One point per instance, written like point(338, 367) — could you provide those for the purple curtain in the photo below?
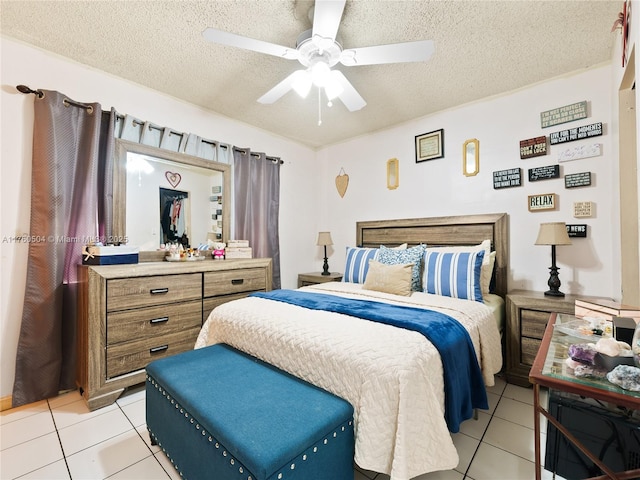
point(70, 179)
point(256, 196)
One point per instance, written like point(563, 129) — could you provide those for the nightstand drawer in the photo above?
point(131, 356)
point(152, 321)
point(533, 323)
point(234, 281)
point(529, 350)
point(127, 293)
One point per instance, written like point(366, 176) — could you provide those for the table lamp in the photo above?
point(324, 239)
point(553, 234)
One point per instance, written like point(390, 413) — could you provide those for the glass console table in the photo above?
point(549, 370)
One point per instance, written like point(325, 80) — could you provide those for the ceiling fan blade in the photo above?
point(281, 88)
point(419, 51)
point(349, 96)
point(326, 17)
point(233, 40)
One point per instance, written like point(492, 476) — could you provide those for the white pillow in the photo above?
point(487, 261)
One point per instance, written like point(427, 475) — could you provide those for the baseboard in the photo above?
point(5, 403)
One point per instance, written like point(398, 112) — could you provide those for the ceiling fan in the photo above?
point(317, 50)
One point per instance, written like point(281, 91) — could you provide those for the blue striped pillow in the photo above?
point(357, 263)
point(453, 274)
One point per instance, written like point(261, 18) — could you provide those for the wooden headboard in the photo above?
point(444, 231)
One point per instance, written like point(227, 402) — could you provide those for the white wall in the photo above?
point(438, 187)
point(21, 64)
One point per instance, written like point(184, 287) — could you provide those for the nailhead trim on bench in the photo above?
point(217, 445)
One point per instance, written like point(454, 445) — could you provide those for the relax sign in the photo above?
point(546, 201)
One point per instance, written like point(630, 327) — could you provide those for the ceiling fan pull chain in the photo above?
point(319, 107)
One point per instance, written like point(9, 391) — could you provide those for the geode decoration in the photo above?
point(625, 377)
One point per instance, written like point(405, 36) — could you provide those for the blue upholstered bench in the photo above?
point(220, 414)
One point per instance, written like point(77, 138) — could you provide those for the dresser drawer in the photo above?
point(533, 323)
point(234, 281)
point(127, 293)
point(131, 356)
point(529, 350)
point(153, 322)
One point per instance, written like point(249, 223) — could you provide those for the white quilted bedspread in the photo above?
point(391, 376)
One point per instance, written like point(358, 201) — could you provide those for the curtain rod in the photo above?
point(253, 154)
point(66, 101)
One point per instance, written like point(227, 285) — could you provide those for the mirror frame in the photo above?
point(475, 159)
point(393, 173)
point(122, 148)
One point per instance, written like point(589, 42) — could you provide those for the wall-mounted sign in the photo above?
point(578, 133)
point(533, 147)
point(583, 151)
point(546, 201)
point(579, 231)
point(507, 178)
point(568, 113)
point(544, 173)
point(582, 179)
point(582, 209)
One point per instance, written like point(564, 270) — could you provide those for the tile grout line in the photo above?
point(64, 455)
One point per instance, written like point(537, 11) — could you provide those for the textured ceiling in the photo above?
point(482, 48)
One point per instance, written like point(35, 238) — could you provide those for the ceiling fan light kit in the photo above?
point(318, 51)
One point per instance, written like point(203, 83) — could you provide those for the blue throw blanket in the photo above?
point(463, 383)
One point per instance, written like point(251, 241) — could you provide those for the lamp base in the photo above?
point(554, 293)
point(325, 267)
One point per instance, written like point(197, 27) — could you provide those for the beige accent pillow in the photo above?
point(486, 271)
point(395, 279)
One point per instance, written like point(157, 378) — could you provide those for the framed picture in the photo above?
point(430, 146)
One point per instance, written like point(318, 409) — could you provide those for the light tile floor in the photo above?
point(60, 439)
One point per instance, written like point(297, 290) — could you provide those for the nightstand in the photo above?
point(527, 315)
point(313, 278)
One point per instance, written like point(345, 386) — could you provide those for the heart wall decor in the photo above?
point(342, 182)
point(174, 179)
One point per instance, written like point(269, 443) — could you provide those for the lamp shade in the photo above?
point(554, 233)
point(324, 238)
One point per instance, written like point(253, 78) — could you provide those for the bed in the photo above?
point(394, 377)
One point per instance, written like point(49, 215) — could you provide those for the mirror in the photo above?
point(161, 196)
point(471, 157)
point(393, 179)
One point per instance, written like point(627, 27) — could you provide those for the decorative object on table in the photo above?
point(578, 133)
point(511, 177)
point(604, 308)
point(577, 231)
point(573, 180)
point(393, 173)
point(218, 250)
point(553, 233)
point(109, 255)
point(471, 157)
point(430, 146)
point(544, 173)
point(582, 209)
point(568, 113)
point(324, 239)
point(342, 182)
point(635, 345)
point(238, 249)
point(624, 329)
point(533, 147)
point(545, 201)
point(626, 377)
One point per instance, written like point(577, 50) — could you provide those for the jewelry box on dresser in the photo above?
point(130, 315)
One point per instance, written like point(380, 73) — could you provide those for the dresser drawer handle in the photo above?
point(159, 320)
point(237, 281)
point(161, 348)
point(156, 291)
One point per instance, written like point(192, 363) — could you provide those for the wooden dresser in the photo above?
point(130, 315)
